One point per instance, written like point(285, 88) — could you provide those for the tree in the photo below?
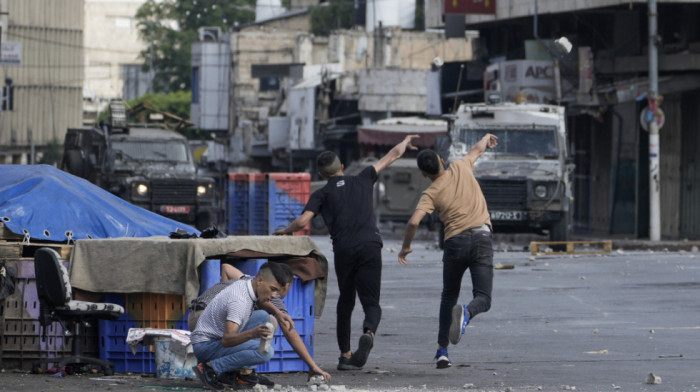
point(169, 27)
point(332, 15)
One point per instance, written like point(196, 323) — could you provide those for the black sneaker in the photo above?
point(207, 376)
point(359, 357)
point(254, 378)
point(346, 364)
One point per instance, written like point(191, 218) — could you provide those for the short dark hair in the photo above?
point(278, 271)
point(327, 163)
point(429, 162)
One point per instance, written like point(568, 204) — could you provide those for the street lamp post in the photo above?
point(654, 150)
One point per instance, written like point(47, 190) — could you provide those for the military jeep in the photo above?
point(145, 164)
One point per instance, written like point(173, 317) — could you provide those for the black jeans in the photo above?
point(468, 250)
point(359, 271)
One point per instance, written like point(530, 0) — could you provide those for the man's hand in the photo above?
point(261, 331)
point(406, 143)
point(402, 255)
point(491, 140)
point(284, 318)
point(317, 370)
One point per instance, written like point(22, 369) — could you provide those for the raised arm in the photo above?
point(488, 141)
point(395, 153)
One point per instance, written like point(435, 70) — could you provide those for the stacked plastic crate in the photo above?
point(300, 307)
point(237, 204)
point(142, 310)
point(257, 203)
point(288, 193)
point(23, 339)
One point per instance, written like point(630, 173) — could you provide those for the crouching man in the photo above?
point(229, 330)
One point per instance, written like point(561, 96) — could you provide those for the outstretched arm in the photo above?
point(395, 153)
point(411, 228)
point(488, 141)
point(299, 347)
point(299, 223)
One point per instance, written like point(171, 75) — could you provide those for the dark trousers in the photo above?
point(468, 250)
point(359, 272)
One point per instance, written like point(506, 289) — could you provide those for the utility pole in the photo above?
point(654, 150)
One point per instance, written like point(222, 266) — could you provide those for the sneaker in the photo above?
point(346, 364)
point(443, 361)
point(255, 378)
point(207, 376)
point(359, 357)
point(460, 319)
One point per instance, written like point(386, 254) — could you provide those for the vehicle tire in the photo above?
point(204, 221)
point(559, 231)
point(109, 371)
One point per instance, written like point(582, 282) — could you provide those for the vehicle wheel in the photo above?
point(109, 371)
point(559, 231)
point(203, 221)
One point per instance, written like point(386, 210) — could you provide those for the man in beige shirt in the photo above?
point(456, 195)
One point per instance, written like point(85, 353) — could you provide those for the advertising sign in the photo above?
point(533, 79)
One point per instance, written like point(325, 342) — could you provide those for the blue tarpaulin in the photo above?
point(45, 203)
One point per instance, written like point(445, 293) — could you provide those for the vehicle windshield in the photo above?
point(166, 151)
point(529, 142)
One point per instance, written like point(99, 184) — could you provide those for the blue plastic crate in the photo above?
point(237, 204)
point(287, 195)
point(257, 204)
point(143, 310)
point(300, 306)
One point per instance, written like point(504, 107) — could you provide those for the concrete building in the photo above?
point(42, 57)
point(352, 75)
point(112, 48)
point(608, 73)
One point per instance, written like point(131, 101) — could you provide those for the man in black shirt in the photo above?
point(346, 205)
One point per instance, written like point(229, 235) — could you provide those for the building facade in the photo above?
point(43, 63)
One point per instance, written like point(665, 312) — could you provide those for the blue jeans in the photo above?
point(467, 250)
point(243, 356)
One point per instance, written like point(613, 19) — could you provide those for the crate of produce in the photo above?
point(237, 204)
point(141, 310)
point(300, 306)
point(22, 339)
point(257, 204)
point(287, 195)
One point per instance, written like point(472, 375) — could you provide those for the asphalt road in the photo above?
point(583, 322)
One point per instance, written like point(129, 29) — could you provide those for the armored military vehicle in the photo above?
point(145, 164)
point(526, 179)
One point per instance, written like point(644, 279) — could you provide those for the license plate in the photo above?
point(508, 215)
point(175, 209)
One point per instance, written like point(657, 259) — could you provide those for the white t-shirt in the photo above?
point(235, 303)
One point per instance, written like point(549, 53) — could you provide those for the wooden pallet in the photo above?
point(18, 249)
point(570, 247)
point(6, 234)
